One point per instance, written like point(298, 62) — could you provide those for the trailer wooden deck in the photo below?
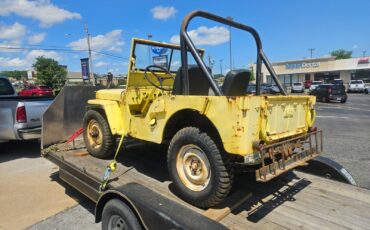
point(293, 200)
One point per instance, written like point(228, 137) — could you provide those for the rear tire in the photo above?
point(200, 175)
point(98, 138)
point(117, 215)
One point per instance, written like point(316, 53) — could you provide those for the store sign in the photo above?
point(159, 50)
point(160, 61)
point(302, 65)
point(363, 61)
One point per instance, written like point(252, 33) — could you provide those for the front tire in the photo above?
point(117, 215)
point(98, 138)
point(197, 169)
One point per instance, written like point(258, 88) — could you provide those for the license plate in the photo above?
point(338, 99)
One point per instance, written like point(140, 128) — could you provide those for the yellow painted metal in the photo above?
point(113, 113)
point(143, 111)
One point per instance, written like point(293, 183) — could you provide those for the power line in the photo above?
point(62, 50)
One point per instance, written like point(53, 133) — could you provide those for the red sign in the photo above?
point(363, 61)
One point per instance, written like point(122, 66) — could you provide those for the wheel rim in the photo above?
point(94, 134)
point(193, 167)
point(116, 222)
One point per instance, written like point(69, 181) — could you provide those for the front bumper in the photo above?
point(356, 89)
point(283, 156)
point(30, 133)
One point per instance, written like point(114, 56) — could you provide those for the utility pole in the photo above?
point(230, 53)
point(91, 77)
point(363, 53)
point(221, 66)
point(311, 51)
point(149, 56)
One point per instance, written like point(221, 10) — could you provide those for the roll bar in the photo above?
point(187, 45)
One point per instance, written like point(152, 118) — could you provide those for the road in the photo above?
point(346, 130)
point(346, 140)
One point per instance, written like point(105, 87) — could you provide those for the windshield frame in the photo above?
point(150, 43)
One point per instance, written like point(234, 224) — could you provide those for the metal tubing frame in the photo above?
point(186, 44)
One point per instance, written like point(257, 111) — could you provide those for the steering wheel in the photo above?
point(160, 79)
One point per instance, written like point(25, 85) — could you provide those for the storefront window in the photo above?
point(361, 74)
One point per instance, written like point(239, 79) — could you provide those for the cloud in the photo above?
point(355, 46)
point(206, 36)
point(28, 60)
point(111, 41)
point(42, 10)
point(163, 13)
point(36, 38)
point(12, 32)
point(101, 63)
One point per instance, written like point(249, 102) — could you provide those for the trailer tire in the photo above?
point(98, 138)
point(117, 215)
point(199, 173)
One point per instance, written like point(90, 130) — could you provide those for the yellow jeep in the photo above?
point(209, 130)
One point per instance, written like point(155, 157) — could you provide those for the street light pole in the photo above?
point(91, 77)
point(221, 66)
point(311, 51)
point(230, 51)
point(364, 53)
point(149, 56)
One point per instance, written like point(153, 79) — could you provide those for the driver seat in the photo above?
point(236, 83)
point(198, 83)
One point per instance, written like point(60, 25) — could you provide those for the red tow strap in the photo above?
point(74, 135)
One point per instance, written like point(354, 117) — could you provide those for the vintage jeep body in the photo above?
point(209, 130)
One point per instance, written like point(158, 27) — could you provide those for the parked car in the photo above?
point(330, 92)
point(20, 116)
point(356, 86)
point(314, 84)
point(36, 90)
point(307, 84)
point(367, 89)
point(337, 82)
point(298, 87)
point(270, 89)
point(265, 89)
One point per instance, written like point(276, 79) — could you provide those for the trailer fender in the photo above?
point(325, 167)
point(155, 211)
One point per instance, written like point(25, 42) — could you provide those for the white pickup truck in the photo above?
point(356, 86)
point(20, 117)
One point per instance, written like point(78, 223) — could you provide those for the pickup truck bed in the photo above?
point(10, 129)
point(293, 200)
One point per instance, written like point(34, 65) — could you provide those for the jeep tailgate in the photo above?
point(286, 116)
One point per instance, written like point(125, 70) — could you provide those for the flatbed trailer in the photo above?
point(292, 200)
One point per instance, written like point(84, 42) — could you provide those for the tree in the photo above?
point(50, 73)
point(16, 74)
point(252, 77)
point(341, 54)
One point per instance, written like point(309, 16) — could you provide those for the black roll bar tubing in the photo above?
point(186, 44)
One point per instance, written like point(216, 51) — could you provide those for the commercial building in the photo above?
point(319, 69)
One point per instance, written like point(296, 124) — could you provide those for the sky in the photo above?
point(288, 28)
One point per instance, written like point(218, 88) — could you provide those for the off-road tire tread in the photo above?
point(225, 173)
point(109, 141)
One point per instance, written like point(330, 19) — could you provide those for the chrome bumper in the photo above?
point(30, 133)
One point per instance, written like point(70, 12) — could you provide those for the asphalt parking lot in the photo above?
point(346, 130)
point(346, 140)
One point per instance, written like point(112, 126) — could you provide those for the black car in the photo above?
point(265, 89)
point(330, 92)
